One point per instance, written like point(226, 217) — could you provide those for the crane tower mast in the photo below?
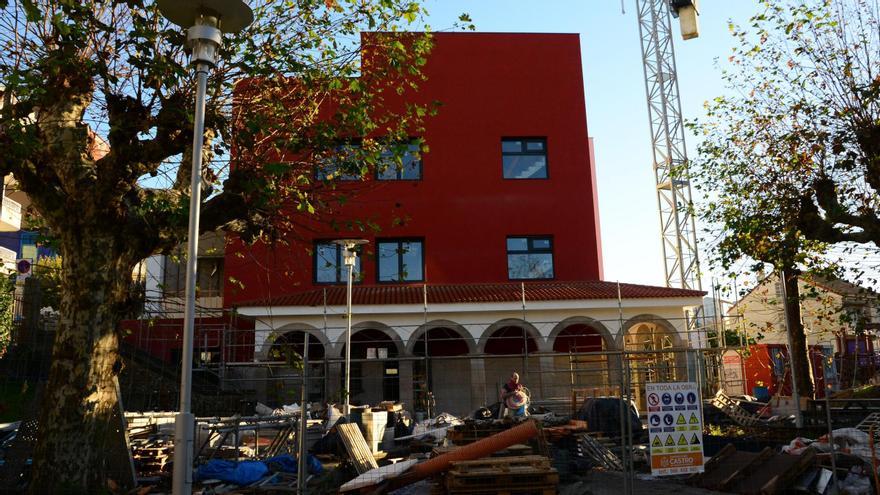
point(677, 223)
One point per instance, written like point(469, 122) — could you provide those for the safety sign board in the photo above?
point(675, 428)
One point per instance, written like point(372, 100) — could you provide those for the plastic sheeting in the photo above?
point(603, 414)
point(247, 472)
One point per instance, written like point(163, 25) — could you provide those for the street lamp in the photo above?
point(203, 20)
point(349, 258)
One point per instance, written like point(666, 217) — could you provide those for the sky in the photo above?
point(617, 116)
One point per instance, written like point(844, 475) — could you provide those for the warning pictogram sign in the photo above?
point(683, 428)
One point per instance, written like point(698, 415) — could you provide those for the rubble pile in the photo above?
point(381, 449)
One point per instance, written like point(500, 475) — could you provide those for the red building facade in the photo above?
point(508, 179)
point(487, 258)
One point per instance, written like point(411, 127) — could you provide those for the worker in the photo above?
point(514, 397)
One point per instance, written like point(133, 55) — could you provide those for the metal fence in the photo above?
point(235, 375)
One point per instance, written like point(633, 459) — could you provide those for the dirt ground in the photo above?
point(611, 483)
point(595, 483)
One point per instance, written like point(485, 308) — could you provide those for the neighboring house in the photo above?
point(13, 203)
point(166, 280)
point(497, 264)
point(16, 243)
point(840, 323)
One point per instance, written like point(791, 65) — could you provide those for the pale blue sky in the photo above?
point(616, 107)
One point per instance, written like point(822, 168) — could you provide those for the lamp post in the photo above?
point(349, 256)
point(203, 20)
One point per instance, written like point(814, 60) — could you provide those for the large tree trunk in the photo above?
point(800, 358)
point(80, 425)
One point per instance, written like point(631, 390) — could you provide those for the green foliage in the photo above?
point(97, 117)
point(732, 338)
point(7, 301)
point(287, 91)
point(48, 272)
point(790, 160)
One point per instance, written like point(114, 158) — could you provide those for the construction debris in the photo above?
point(763, 472)
point(732, 409)
point(357, 448)
point(476, 450)
point(598, 453)
point(152, 456)
point(531, 474)
point(378, 475)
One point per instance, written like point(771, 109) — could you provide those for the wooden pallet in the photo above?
point(470, 433)
point(871, 421)
point(547, 490)
point(502, 463)
point(525, 473)
point(731, 408)
point(151, 457)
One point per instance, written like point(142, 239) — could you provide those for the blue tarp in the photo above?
point(247, 472)
point(240, 473)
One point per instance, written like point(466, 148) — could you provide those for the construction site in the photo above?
point(472, 345)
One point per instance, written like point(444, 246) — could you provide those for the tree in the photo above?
point(95, 125)
point(48, 271)
point(791, 158)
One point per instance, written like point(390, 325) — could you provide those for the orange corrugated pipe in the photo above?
point(476, 450)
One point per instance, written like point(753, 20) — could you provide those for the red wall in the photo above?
point(759, 370)
point(163, 337)
point(490, 86)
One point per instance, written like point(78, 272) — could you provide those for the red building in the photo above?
point(488, 258)
point(509, 159)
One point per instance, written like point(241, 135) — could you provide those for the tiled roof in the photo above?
point(472, 293)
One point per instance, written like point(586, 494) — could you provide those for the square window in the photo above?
point(511, 146)
point(329, 264)
point(517, 244)
point(529, 258)
point(523, 158)
point(400, 260)
point(400, 164)
point(209, 276)
point(344, 158)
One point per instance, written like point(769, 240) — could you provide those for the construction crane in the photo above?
point(677, 223)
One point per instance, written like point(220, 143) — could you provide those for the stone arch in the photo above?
point(608, 339)
point(370, 325)
point(462, 332)
point(531, 332)
point(652, 359)
point(262, 353)
point(649, 319)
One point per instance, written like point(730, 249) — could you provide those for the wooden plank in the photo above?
point(502, 463)
point(775, 474)
point(357, 448)
point(526, 478)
